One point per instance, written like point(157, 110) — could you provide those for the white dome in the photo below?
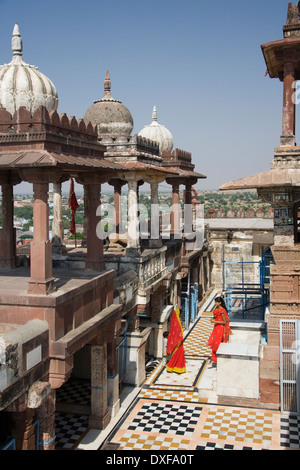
point(158, 133)
point(22, 84)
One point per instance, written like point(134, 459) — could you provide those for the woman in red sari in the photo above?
point(175, 345)
point(221, 331)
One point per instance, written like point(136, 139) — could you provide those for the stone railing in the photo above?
point(132, 143)
point(152, 268)
point(239, 213)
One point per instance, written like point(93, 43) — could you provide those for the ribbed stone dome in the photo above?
point(158, 133)
point(22, 84)
point(111, 116)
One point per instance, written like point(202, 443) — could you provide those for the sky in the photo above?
point(199, 62)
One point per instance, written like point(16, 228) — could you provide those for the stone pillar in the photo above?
point(57, 222)
point(133, 226)
point(94, 258)
point(288, 110)
point(86, 216)
point(188, 212)
point(112, 378)
point(42, 398)
point(7, 233)
point(136, 343)
point(100, 416)
point(41, 280)
point(23, 430)
point(175, 214)
point(155, 237)
point(117, 184)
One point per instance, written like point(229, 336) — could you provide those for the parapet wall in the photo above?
point(239, 213)
point(41, 120)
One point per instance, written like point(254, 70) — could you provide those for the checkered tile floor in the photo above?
point(290, 431)
point(69, 429)
point(154, 422)
point(195, 343)
point(75, 391)
point(254, 427)
point(166, 418)
point(197, 427)
point(146, 442)
point(170, 414)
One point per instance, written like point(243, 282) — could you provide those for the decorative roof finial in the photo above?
point(154, 114)
point(107, 84)
point(16, 41)
point(107, 87)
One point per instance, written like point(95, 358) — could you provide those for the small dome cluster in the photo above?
point(22, 84)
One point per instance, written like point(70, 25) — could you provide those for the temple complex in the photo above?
point(98, 310)
point(95, 312)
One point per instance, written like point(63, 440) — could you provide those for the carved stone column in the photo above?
point(155, 237)
point(288, 110)
point(86, 216)
point(57, 222)
point(175, 214)
point(94, 258)
point(41, 280)
point(113, 398)
point(133, 227)
point(23, 429)
point(117, 184)
point(100, 416)
point(94, 236)
point(7, 233)
point(42, 398)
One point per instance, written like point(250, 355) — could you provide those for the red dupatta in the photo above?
point(175, 345)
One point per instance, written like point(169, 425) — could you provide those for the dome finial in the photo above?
point(107, 87)
point(154, 114)
point(107, 84)
point(16, 41)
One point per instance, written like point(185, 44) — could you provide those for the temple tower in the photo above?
point(280, 187)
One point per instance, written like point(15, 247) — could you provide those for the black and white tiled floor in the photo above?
point(75, 391)
point(177, 419)
point(290, 431)
point(70, 426)
point(69, 429)
point(165, 418)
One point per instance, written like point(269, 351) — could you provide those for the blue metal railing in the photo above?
point(11, 445)
point(189, 305)
point(250, 298)
point(36, 426)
